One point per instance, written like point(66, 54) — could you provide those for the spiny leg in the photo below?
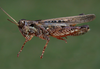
point(44, 49)
point(61, 39)
point(27, 39)
point(22, 48)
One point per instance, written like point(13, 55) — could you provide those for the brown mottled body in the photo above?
point(56, 27)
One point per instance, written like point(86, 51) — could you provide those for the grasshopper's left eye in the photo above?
point(22, 21)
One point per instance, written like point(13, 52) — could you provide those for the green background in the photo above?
point(81, 52)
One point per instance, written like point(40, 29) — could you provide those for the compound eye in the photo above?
point(23, 21)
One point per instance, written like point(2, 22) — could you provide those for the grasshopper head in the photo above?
point(21, 23)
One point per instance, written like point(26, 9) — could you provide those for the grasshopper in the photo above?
point(56, 27)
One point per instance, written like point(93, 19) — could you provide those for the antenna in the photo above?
point(15, 22)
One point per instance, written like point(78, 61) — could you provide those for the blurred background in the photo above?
point(81, 52)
